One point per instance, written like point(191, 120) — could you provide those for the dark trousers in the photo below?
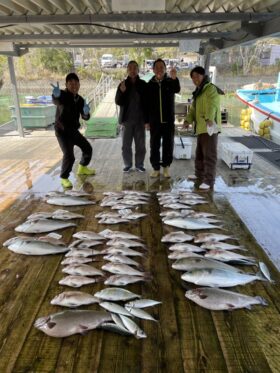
point(206, 158)
point(67, 141)
point(161, 133)
point(136, 132)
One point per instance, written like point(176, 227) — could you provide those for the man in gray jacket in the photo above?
point(131, 96)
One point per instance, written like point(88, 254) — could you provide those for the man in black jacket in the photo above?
point(70, 106)
point(161, 95)
point(131, 96)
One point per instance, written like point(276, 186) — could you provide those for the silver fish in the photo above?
point(83, 252)
point(108, 233)
point(229, 256)
point(141, 314)
point(33, 246)
point(77, 193)
point(70, 322)
point(142, 303)
point(217, 299)
point(186, 264)
point(66, 215)
point(88, 235)
point(121, 269)
point(133, 327)
point(42, 225)
point(125, 243)
point(74, 299)
point(65, 200)
point(112, 327)
point(84, 244)
point(101, 215)
point(115, 258)
point(82, 270)
point(265, 271)
point(186, 247)
point(189, 223)
point(115, 308)
point(113, 220)
point(206, 237)
point(175, 214)
point(115, 294)
point(123, 280)
point(179, 236)
point(175, 206)
point(219, 277)
point(209, 245)
point(121, 206)
point(77, 260)
point(182, 254)
point(78, 281)
point(40, 215)
point(121, 250)
point(136, 193)
point(135, 216)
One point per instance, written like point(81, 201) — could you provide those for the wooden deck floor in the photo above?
point(186, 338)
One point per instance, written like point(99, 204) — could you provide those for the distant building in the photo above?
point(270, 55)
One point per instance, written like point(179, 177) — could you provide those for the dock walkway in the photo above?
point(186, 338)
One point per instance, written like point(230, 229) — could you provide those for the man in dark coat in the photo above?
point(162, 89)
point(131, 96)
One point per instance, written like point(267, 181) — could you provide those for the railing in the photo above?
point(97, 95)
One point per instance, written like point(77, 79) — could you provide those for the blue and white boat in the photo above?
point(265, 104)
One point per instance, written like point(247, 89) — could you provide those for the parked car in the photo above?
point(108, 60)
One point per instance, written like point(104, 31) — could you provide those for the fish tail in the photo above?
point(261, 300)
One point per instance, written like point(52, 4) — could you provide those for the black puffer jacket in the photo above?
point(68, 111)
point(122, 98)
point(161, 99)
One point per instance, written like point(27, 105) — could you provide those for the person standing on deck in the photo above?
point(206, 115)
point(131, 96)
point(70, 106)
point(162, 89)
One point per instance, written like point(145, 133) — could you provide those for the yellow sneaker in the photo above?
point(155, 173)
point(166, 172)
point(66, 183)
point(84, 170)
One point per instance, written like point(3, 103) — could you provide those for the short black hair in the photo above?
point(159, 60)
point(198, 69)
point(132, 62)
point(72, 76)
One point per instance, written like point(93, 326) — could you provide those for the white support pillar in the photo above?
point(15, 95)
point(207, 63)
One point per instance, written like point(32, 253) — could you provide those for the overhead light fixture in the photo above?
point(189, 45)
point(137, 6)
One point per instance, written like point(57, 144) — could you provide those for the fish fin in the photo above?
point(230, 306)
point(83, 329)
point(51, 324)
point(249, 307)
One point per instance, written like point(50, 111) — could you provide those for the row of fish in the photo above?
point(207, 264)
point(119, 250)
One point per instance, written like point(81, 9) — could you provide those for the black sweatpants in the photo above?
point(206, 158)
point(161, 132)
point(67, 141)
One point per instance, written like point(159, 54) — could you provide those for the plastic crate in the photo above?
point(236, 155)
point(102, 127)
point(182, 147)
point(36, 116)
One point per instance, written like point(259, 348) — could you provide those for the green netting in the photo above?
point(102, 127)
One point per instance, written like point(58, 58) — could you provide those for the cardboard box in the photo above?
point(182, 147)
point(236, 155)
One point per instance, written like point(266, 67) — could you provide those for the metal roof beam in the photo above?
point(137, 17)
point(120, 37)
point(107, 45)
point(264, 29)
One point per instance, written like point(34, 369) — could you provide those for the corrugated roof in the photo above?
point(218, 24)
